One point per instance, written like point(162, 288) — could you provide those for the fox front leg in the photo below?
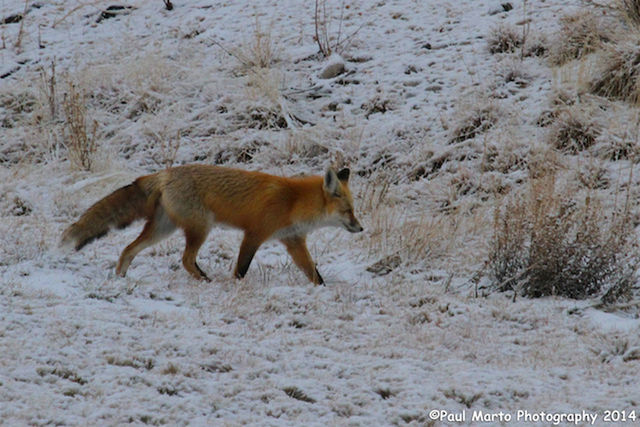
point(297, 248)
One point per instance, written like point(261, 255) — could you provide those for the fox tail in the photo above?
point(118, 209)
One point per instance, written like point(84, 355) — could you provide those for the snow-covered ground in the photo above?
point(79, 346)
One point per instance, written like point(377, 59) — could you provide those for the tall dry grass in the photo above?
point(80, 132)
point(418, 240)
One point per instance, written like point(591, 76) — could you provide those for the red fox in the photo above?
point(195, 197)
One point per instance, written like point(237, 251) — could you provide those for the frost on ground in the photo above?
point(442, 111)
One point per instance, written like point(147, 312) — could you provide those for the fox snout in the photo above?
point(353, 226)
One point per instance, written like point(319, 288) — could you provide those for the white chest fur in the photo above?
point(303, 228)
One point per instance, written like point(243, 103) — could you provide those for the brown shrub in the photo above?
point(549, 242)
point(619, 76)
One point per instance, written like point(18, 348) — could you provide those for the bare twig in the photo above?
point(168, 149)
point(49, 88)
point(326, 44)
point(18, 42)
point(316, 19)
point(525, 30)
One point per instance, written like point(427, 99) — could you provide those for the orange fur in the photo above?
point(195, 197)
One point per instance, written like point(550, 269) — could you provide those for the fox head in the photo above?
point(339, 201)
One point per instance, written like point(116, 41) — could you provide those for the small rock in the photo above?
point(20, 207)
point(113, 11)
point(385, 265)
point(410, 69)
point(334, 67)
point(632, 354)
point(11, 19)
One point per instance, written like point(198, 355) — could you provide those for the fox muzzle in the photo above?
point(354, 226)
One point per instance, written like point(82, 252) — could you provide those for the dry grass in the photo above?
point(79, 131)
point(260, 50)
point(473, 118)
point(620, 139)
point(559, 100)
point(268, 107)
point(305, 145)
point(536, 45)
point(449, 240)
point(548, 241)
point(168, 147)
point(515, 73)
point(580, 34)
point(394, 238)
point(594, 175)
point(18, 43)
point(504, 153)
point(619, 75)
point(504, 39)
point(574, 130)
point(630, 10)
point(397, 239)
point(265, 84)
point(48, 90)
point(16, 106)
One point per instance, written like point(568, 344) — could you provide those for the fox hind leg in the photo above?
point(195, 238)
point(157, 228)
point(248, 247)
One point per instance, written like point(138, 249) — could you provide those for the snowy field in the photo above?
point(409, 320)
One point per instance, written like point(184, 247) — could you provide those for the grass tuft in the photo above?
point(573, 131)
point(580, 34)
point(504, 39)
point(619, 76)
point(477, 119)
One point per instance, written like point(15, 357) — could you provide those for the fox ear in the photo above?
point(343, 175)
point(330, 184)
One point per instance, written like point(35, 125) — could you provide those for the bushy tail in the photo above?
point(118, 209)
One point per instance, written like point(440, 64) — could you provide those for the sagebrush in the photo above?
point(548, 241)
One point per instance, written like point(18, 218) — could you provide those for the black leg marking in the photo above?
point(248, 249)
